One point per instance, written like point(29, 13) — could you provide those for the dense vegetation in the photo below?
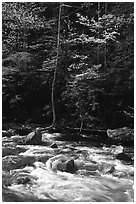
point(94, 85)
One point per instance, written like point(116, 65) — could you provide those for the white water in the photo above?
point(93, 182)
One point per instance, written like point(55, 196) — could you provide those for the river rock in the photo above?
point(61, 166)
point(23, 180)
point(121, 155)
point(34, 138)
point(54, 145)
point(71, 167)
point(124, 156)
point(65, 165)
point(106, 168)
point(121, 134)
point(118, 149)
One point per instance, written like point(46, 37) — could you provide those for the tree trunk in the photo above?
point(55, 71)
point(98, 32)
point(105, 48)
point(81, 123)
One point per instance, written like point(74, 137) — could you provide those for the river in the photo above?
point(29, 173)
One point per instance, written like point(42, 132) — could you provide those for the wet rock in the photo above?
point(111, 170)
point(80, 163)
point(71, 167)
point(118, 149)
point(121, 134)
point(106, 168)
point(61, 166)
point(23, 180)
point(123, 156)
point(120, 154)
point(54, 145)
point(34, 138)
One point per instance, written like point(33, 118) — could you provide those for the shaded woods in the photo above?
point(94, 63)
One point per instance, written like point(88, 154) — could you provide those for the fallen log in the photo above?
point(66, 129)
point(87, 131)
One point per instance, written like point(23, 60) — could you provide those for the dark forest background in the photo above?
point(94, 84)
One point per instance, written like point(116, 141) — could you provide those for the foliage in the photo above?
point(94, 83)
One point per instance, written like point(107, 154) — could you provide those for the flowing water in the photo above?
point(30, 173)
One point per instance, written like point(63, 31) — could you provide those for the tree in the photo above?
point(59, 59)
point(55, 71)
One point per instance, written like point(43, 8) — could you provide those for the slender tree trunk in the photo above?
point(81, 123)
point(98, 32)
point(55, 71)
point(105, 48)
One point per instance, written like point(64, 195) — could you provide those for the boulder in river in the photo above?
point(23, 180)
point(70, 166)
point(121, 134)
point(106, 168)
point(34, 138)
point(124, 156)
point(121, 155)
point(63, 164)
point(54, 145)
point(118, 149)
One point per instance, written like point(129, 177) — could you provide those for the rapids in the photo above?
point(30, 173)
